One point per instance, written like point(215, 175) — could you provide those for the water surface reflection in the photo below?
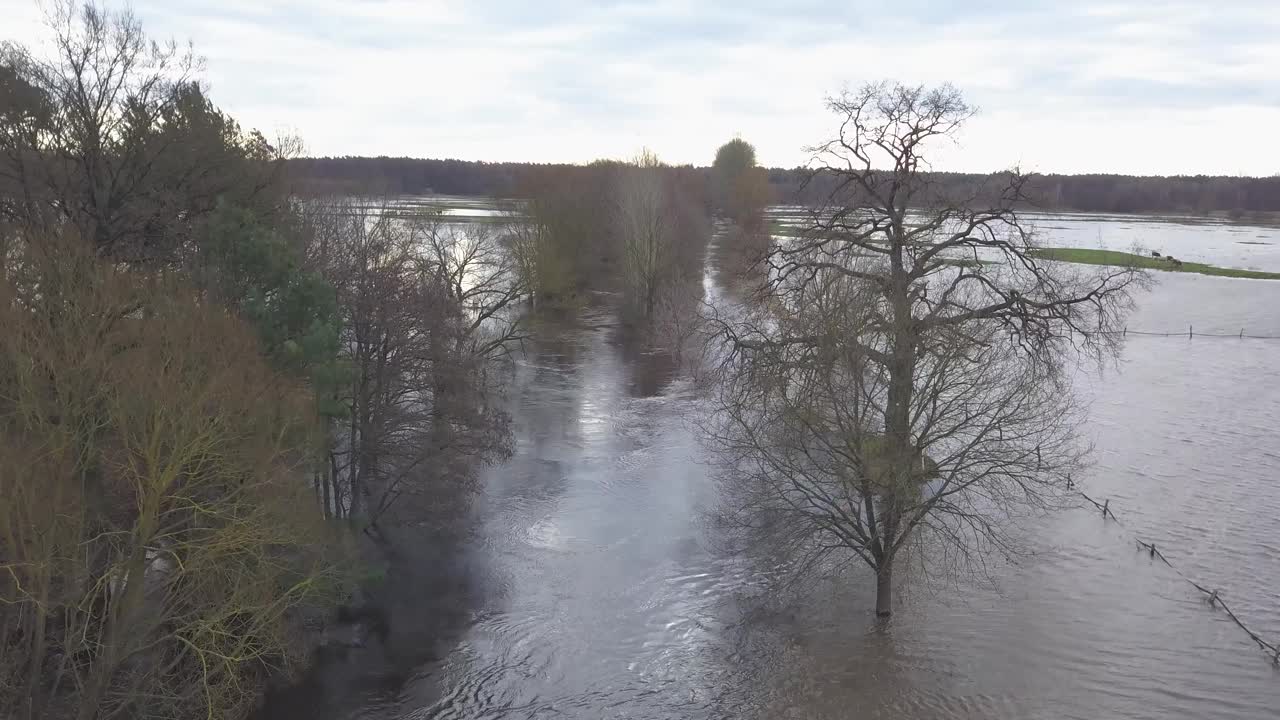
point(602, 592)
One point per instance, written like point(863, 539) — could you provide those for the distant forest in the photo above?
point(1233, 196)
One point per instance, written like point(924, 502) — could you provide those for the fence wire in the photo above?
point(1190, 332)
point(1214, 596)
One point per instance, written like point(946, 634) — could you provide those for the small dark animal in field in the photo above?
point(1155, 254)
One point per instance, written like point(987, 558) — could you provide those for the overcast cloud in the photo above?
point(1129, 87)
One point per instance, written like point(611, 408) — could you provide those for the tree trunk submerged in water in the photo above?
point(884, 590)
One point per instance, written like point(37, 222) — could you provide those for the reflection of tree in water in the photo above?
point(388, 635)
point(544, 399)
point(736, 259)
point(649, 371)
point(800, 640)
point(442, 573)
point(656, 354)
point(787, 651)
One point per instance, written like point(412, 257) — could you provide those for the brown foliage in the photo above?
point(155, 546)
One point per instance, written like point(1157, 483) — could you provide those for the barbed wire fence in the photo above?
point(1190, 333)
point(1214, 596)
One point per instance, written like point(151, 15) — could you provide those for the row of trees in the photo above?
point(207, 381)
point(637, 228)
point(209, 378)
point(414, 176)
point(1083, 193)
point(1231, 196)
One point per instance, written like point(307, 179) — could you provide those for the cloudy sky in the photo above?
point(1143, 86)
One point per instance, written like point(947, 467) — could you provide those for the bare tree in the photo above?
point(476, 287)
point(903, 376)
point(646, 229)
point(426, 315)
point(482, 281)
point(545, 272)
point(112, 132)
point(369, 259)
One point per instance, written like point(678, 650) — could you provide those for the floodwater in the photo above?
point(599, 590)
point(1216, 242)
point(1191, 239)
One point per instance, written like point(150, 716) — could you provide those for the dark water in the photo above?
point(597, 590)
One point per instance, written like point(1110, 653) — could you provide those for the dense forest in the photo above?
point(1083, 193)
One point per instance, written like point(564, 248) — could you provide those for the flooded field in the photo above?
point(599, 590)
point(1192, 239)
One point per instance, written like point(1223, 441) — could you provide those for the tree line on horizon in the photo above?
point(1092, 192)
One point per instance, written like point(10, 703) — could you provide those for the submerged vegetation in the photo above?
point(637, 229)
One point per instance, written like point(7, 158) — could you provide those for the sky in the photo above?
point(1137, 87)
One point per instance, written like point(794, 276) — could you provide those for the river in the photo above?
point(595, 587)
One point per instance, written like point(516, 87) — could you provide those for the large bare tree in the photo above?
point(903, 380)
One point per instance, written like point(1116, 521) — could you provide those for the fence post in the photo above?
point(1189, 328)
point(1153, 549)
point(1105, 504)
point(1241, 333)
